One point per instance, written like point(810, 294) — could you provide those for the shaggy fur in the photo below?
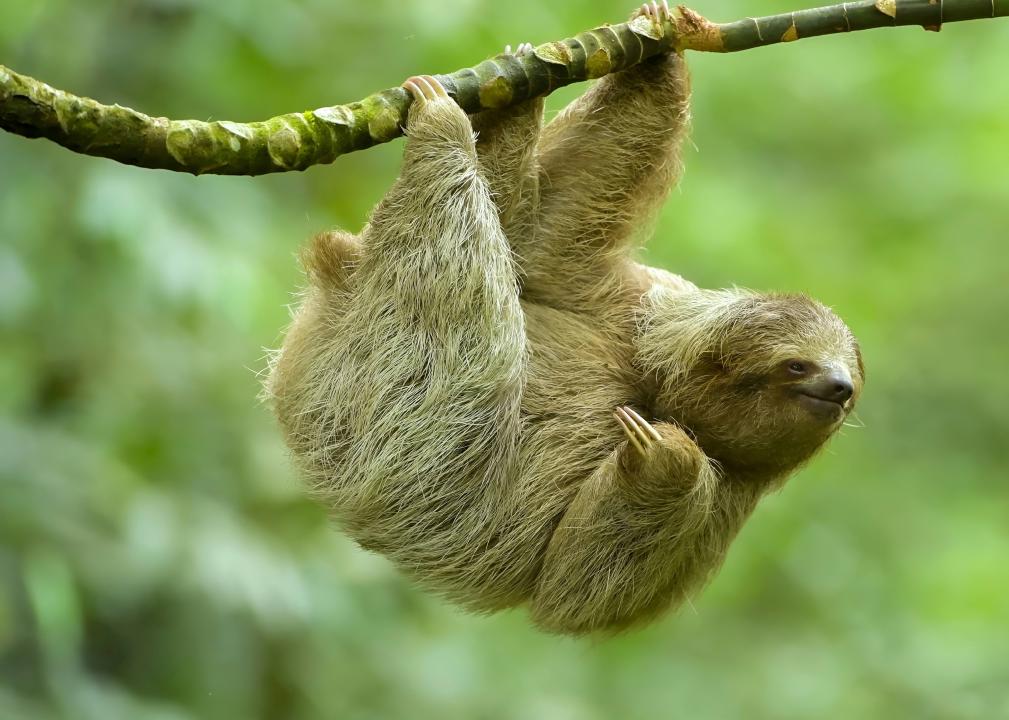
point(449, 381)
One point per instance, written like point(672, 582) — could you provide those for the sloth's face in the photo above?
point(772, 392)
point(825, 388)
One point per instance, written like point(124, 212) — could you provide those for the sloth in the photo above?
point(487, 388)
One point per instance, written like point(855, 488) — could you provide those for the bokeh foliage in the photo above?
point(157, 557)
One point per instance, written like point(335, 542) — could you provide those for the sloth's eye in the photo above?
point(797, 367)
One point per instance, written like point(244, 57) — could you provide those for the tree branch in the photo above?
point(299, 140)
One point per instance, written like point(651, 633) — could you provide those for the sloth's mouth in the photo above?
point(822, 405)
point(817, 398)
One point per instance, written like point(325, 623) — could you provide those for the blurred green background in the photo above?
point(157, 556)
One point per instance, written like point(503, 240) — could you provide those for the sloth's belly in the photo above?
point(576, 378)
point(575, 371)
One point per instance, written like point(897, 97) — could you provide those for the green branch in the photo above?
point(299, 140)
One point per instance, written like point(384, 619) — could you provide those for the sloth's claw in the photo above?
point(659, 12)
point(629, 432)
point(642, 423)
point(522, 49)
point(639, 431)
point(424, 88)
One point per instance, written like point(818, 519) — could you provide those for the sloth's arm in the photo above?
point(606, 164)
point(608, 160)
point(627, 547)
point(506, 147)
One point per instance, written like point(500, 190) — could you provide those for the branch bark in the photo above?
point(297, 141)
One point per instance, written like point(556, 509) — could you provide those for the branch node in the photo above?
point(887, 7)
point(693, 31)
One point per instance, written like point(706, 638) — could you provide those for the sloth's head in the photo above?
point(761, 380)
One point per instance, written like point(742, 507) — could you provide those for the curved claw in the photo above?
point(657, 11)
point(522, 49)
point(639, 431)
point(425, 87)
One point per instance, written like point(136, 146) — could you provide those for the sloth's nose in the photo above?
point(840, 387)
point(835, 386)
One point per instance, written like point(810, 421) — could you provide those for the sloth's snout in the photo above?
point(833, 385)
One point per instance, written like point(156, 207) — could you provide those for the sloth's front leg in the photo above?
point(627, 547)
point(656, 454)
point(414, 407)
point(506, 146)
